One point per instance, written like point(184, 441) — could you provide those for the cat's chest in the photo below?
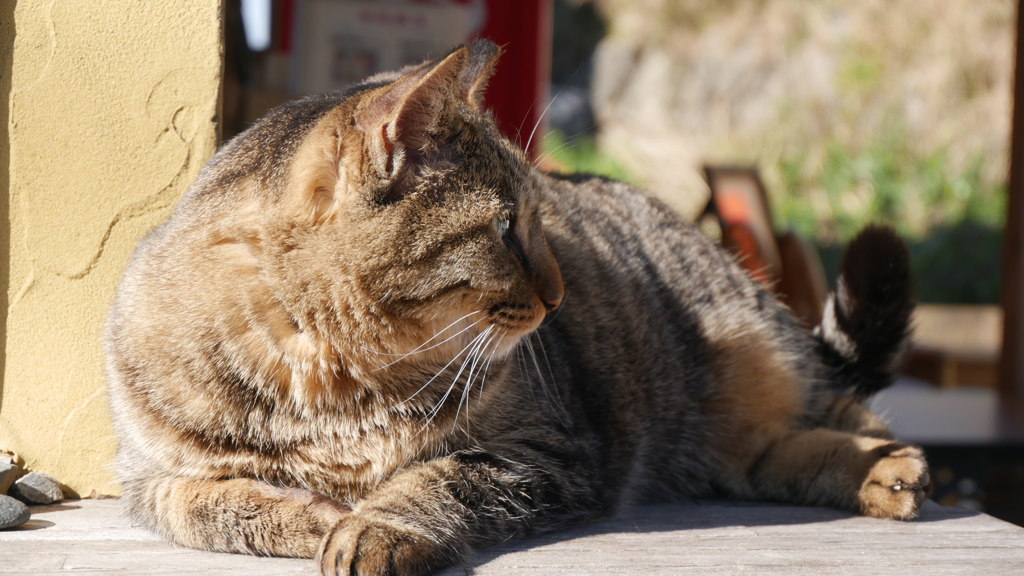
point(342, 457)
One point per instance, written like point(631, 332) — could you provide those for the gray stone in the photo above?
point(9, 472)
point(37, 488)
point(12, 512)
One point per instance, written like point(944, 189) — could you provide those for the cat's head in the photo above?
point(402, 211)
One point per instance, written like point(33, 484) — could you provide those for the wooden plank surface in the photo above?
point(91, 537)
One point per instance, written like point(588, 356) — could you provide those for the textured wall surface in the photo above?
point(109, 110)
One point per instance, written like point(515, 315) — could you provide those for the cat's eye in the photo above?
point(501, 224)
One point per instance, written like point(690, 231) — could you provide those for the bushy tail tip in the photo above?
point(866, 323)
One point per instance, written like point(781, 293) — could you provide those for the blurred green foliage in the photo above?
point(952, 219)
point(580, 154)
point(952, 223)
point(854, 112)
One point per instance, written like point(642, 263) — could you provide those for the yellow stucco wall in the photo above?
point(110, 110)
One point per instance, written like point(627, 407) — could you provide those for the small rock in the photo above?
point(12, 512)
point(9, 472)
point(37, 488)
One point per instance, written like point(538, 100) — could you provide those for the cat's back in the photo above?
point(662, 332)
point(623, 248)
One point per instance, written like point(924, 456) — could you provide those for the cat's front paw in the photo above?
point(364, 547)
point(897, 483)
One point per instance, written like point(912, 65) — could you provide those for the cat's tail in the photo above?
point(866, 323)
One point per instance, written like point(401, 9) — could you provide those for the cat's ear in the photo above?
point(481, 59)
point(398, 121)
point(401, 118)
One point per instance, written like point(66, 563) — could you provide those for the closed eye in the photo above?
point(512, 242)
point(501, 225)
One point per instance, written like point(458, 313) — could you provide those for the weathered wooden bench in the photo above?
point(92, 537)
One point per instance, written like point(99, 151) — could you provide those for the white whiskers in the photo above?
point(477, 357)
point(540, 120)
point(549, 387)
point(472, 344)
point(472, 357)
point(420, 349)
point(485, 358)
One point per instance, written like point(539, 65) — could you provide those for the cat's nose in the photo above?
point(552, 302)
point(540, 262)
point(549, 287)
point(547, 281)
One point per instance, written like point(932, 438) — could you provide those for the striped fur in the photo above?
point(373, 333)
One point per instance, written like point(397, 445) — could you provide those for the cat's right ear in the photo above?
point(398, 120)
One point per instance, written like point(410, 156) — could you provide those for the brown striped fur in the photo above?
point(374, 333)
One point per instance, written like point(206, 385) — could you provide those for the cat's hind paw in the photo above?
point(897, 484)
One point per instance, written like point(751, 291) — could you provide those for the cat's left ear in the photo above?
point(482, 56)
point(399, 122)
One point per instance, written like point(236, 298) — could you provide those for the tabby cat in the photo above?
point(374, 334)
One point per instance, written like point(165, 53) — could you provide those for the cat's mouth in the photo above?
point(507, 323)
point(514, 316)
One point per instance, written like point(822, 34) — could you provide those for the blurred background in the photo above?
point(822, 116)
